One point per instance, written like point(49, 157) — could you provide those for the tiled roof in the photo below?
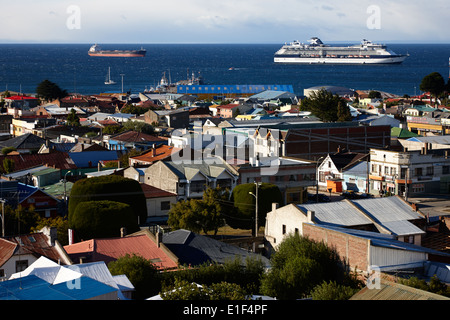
point(108, 250)
point(161, 152)
point(6, 250)
point(134, 136)
point(60, 160)
point(36, 244)
point(153, 192)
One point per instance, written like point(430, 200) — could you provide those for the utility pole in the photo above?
point(317, 178)
point(257, 184)
point(3, 217)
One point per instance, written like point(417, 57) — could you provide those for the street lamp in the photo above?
point(3, 216)
point(256, 207)
point(317, 178)
point(65, 192)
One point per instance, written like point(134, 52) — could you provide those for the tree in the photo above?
point(20, 220)
point(343, 112)
point(102, 219)
point(73, 119)
point(433, 83)
point(323, 104)
point(61, 224)
point(8, 165)
point(133, 109)
point(244, 215)
point(201, 215)
point(7, 150)
point(49, 91)
point(138, 126)
point(141, 272)
point(299, 265)
point(374, 94)
point(112, 187)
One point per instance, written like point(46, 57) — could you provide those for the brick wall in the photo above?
point(354, 250)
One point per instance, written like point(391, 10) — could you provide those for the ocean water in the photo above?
point(24, 66)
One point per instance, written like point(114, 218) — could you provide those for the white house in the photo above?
point(389, 215)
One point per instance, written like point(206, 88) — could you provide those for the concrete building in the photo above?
point(410, 172)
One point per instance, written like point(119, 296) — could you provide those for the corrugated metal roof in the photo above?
point(340, 213)
point(395, 291)
point(34, 288)
point(391, 212)
point(195, 249)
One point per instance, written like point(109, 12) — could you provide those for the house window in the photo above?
point(165, 205)
point(430, 171)
point(445, 169)
point(284, 229)
point(21, 265)
point(418, 172)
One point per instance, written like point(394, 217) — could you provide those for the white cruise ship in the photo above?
point(318, 53)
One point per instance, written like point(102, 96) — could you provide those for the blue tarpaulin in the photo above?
point(235, 89)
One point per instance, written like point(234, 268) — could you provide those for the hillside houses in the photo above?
point(268, 140)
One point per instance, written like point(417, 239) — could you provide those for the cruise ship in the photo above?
point(318, 53)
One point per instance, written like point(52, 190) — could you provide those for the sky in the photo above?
point(231, 21)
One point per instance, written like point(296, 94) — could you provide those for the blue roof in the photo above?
point(34, 288)
point(236, 88)
point(91, 158)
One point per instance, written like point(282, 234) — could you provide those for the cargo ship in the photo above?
point(318, 53)
point(96, 51)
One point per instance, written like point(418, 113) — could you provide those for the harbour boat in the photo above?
point(317, 52)
point(96, 51)
point(108, 78)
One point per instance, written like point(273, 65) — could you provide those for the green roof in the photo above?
point(402, 133)
point(45, 171)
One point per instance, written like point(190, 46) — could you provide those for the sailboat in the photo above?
point(108, 77)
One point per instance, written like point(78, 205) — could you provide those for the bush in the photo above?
point(183, 290)
point(113, 188)
point(332, 291)
point(300, 264)
point(141, 273)
point(102, 219)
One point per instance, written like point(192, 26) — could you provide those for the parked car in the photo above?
point(350, 194)
point(320, 197)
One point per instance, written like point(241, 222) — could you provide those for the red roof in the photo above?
point(153, 192)
point(34, 243)
point(134, 136)
point(160, 153)
point(20, 98)
point(228, 106)
point(108, 250)
point(6, 250)
point(60, 160)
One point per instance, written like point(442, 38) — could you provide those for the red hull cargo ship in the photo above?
point(96, 51)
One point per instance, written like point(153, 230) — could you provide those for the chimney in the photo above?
point(153, 150)
point(51, 233)
point(311, 216)
point(158, 238)
point(123, 232)
point(274, 206)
